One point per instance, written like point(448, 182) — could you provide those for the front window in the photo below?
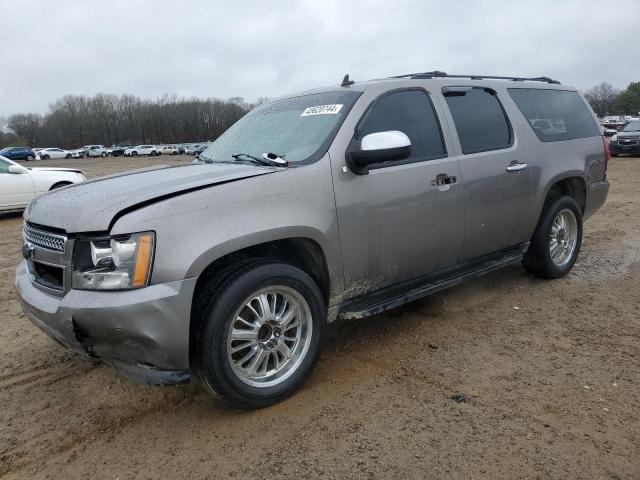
point(632, 127)
point(298, 129)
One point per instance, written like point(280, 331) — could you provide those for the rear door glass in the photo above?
point(555, 115)
point(480, 120)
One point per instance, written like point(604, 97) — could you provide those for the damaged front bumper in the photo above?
point(143, 333)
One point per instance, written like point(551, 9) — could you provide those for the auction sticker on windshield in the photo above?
point(332, 109)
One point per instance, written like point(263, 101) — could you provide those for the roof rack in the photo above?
point(438, 74)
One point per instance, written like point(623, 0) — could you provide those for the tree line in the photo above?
point(606, 100)
point(105, 119)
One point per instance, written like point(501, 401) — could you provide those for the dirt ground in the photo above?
point(550, 371)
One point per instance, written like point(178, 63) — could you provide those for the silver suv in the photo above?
point(340, 202)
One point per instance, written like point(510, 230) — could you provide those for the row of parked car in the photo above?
point(27, 153)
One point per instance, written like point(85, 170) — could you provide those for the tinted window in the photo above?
point(555, 115)
point(4, 166)
point(412, 113)
point(479, 118)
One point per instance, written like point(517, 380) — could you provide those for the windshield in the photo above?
point(297, 129)
point(632, 127)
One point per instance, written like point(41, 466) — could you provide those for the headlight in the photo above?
point(115, 263)
point(614, 138)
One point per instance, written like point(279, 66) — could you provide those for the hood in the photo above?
point(93, 206)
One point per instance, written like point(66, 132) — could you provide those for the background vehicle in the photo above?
point(119, 150)
point(96, 150)
point(149, 150)
point(47, 153)
point(18, 153)
point(79, 153)
point(19, 185)
point(310, 208)
point(627, 140)
point(168, 150)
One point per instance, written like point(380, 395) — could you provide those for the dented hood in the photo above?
point(93, 206)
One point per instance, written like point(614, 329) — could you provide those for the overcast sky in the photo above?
point(252, 48)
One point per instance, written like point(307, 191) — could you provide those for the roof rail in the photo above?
point(439, 74)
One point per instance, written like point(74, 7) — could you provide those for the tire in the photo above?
point(46, 157)
point(104, 154)
point(614, 154)
point(30, 157)
point(539, 259)
point(68, 156)
point(220, 370)
point(134, 154)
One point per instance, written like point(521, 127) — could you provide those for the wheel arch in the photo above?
point(302, 252)
point(573, 185)
point(60, 184)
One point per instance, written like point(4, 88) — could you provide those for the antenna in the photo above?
point(346, 82)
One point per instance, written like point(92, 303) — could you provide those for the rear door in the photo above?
point(396, 223)
point(494, 167)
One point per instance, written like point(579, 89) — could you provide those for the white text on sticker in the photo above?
point(322, 110)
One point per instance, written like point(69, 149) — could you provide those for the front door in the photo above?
point(16, 190)
point(400, 221)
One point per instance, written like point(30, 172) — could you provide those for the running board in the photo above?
point(396, 295)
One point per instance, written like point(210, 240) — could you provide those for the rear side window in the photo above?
point(480, 120)
point(411, 112)
point(555, 115)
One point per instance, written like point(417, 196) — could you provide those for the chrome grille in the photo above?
point(627, 140)
point(40, 238)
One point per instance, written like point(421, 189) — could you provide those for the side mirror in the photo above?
point(379, 147)
point(16, 169)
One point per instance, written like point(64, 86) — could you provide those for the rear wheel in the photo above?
point(557, 240)
point(259, 334)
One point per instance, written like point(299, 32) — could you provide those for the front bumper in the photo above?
point(143, 333)
point(617, 149)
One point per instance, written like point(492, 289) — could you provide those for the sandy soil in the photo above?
point(550, 371)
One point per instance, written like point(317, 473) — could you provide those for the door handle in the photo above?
point(443, 179)
point(516, 166)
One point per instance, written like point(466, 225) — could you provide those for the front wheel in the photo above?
point(104, 154)
point(557, 239)
point(260, 334)
point(30, 157)
point(68, 156)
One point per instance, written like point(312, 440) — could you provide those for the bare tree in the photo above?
point(602, 98)
point(106, 119)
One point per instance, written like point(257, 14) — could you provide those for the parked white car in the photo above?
point(168, 149)
point(79, 153)
point(96, 151)
point(142, 150)
point(47, 153)
point(19, 185)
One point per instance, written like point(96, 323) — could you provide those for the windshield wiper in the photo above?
point(269, 159)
